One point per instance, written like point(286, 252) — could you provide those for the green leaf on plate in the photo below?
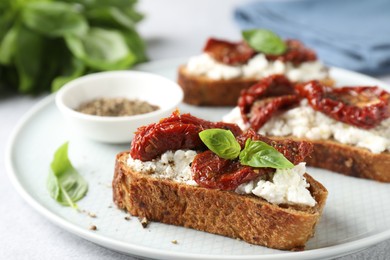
point(260, 154)
point(265, 41)
point(222, 142)
point(64, 183)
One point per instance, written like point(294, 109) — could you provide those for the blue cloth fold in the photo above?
point(352, 34)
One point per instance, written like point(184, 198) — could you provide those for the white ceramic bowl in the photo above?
point(144, 86)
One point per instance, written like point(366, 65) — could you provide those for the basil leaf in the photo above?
point(260, 154)
point(135, 44)
point(28, 58)
point(265, 41)
point(39, 39)
point(101, 49)
point(64, 183)
point(110, 17)
point(7, 46)
point(103, 3)
point(55, 50)
point(74, 69)
point(54, 18)
point(221, 142)
point(9, 79)
point(133, 14)
point(8, 15)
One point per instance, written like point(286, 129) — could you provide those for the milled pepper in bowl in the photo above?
point(115, 107)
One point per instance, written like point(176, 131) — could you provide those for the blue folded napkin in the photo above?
point(352, 34)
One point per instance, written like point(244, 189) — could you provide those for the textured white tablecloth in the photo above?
point(173, 28)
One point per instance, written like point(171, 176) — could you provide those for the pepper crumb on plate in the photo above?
point(92, 227)
point(144, 222)
point(91, 214)
point(174, 242)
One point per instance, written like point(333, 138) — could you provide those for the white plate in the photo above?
point(355, 217)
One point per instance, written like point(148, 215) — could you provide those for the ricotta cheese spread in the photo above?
point(257, 67)
point(171, 165)
point(304, 122)
point(288, 186)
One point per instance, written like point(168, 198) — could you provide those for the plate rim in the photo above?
point(144, 251)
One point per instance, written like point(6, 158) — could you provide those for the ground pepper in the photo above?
point(116, 107)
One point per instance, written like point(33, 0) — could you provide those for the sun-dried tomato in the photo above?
point(150, 142)
point(211, 171)
point(259, 102)
point(362, 106)
point(271, 86)
point(263, 110)
point(228, 52)
point(294, 151)
point(237, 53)
point(173, 133)
point(190, 119)
point(296, 53)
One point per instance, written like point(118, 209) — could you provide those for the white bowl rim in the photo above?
point(76, 82)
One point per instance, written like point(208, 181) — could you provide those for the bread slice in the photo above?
point(226, 213)
point(204, 91)
point(348, 160)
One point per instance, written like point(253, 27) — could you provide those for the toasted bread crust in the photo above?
point(245, 217)
point(203, 91)
point(351, 161)
point(347, 159)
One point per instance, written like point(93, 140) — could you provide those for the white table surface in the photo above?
point(172, 28)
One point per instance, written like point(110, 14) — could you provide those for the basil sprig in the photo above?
point(255, 153)
point(221, 142)
point(260, 154)
point(46, 43)
point(64, 183)
point(264, 41)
